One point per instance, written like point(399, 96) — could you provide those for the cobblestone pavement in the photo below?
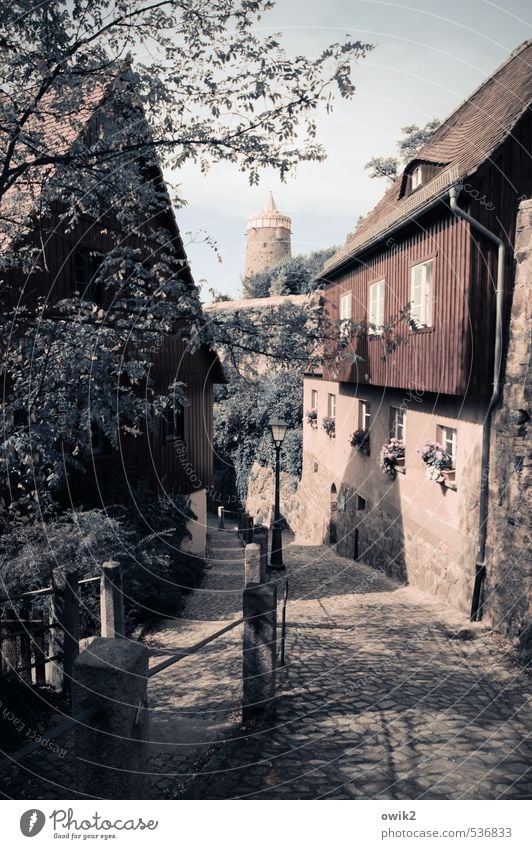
point(385, 694)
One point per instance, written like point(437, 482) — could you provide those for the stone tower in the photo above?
point(268, 238)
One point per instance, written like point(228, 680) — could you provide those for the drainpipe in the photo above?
point(480, 566)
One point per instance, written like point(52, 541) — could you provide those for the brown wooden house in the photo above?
point(430, 274)
point(175, 454)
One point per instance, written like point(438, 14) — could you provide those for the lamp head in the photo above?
point(278, 428)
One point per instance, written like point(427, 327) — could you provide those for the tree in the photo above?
point(95, 96)
point(414, 138)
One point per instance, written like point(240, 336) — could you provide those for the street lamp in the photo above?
point(278, 429)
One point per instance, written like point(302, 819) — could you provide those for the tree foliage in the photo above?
point(95, 96)
point(243, 410)
point(292, 276)
point(409, 145)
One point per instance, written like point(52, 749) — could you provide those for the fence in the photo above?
point(40, 647)
point(109, 682)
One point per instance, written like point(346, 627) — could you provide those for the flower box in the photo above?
point(312, 417)
point(392, 457)
point(360, 440)
point(329, 426)
point(438, 462)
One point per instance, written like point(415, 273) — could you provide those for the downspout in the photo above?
point(480, 566)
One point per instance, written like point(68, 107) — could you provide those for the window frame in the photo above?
point(87, 261)
point(416, 178)
point(443, 439)
point(314, 399)
point(377, 330)
point(424, 261)
point(345, 320)
point(395, 425)
point(364, 415)
point(331, 405)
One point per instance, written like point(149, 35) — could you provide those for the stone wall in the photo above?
point(261, 494)
point(508, 604)
point(266, 247)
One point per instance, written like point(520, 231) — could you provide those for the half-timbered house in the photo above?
point(429, 274)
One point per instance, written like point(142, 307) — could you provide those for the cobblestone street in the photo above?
point(385, 694)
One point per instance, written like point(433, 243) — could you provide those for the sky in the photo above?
point(429, 56)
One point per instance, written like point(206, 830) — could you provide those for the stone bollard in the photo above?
point(64, 630)
point(259, 651)
point(260, 537)
point(110, 747)
point(221, 519)
point(252, 564)
point(112, 623)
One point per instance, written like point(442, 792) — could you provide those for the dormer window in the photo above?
point(417, 177)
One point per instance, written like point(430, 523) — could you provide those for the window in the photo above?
point(99, 442)
point(398, 423)
point(360, 502)
point(376, 307)
point(345, 312)
point(417, 177)
point(364, 415)
point(331, 406)
point(173, 424)
point(314, 399)
point(447, 437)
point(86, 265)
point(421, 294)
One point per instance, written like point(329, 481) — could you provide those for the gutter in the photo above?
point(480, 566)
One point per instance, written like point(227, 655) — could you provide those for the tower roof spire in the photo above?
point(270, 204)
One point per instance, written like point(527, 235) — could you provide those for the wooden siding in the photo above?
point(430, 360)
point(185, 465)
point(455, 356)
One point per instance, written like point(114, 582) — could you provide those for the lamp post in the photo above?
point(278, 429)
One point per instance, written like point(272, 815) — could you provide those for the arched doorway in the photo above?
point(333, 534)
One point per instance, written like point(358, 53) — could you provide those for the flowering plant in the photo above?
point(437, 460)
point(312, 416)
point(391, 453)
point(360, 440)
point(329, 425)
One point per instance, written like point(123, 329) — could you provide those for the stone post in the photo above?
point(64, 631)
point(110, 676)
point(252, 564)
point(260, 537)
point(112, 623)
point(259, 651)
point(221, 519)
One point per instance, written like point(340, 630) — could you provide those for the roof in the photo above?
point(461, 144)
point(260, 303)
point(269, 217)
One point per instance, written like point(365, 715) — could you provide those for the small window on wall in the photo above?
point(331, 406)
point(417, 177)
point(345, 312)
point(364, 415)
point(398, 423)
point(100, 445)
point(314, 399)
point(85, 267)
point(173, 424)
point(360, 503)
point(421, 294)
point(376, 307)
point(447, 438)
